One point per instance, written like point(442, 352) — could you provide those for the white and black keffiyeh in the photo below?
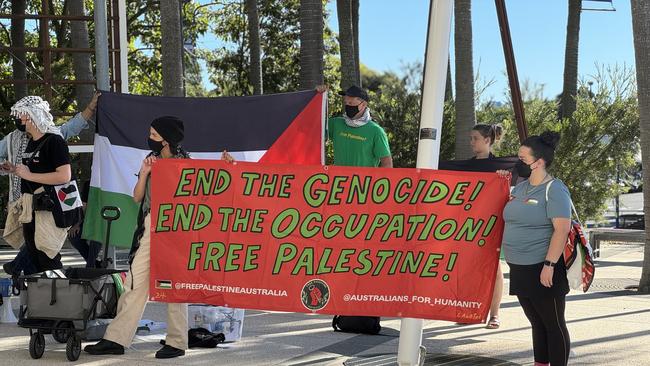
point(361, 121)
point(38, 111)
point(16, 146)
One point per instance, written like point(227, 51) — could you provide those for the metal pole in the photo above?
point(618, 202)
point(433, 98)
point(124, 47)
point(47, 54)
point(101, 64)
point(101, 45)
point(511, 67)
point(111, 45)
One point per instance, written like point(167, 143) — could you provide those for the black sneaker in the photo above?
point(169, 352)
point(105, 347)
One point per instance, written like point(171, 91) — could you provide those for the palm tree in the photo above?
point(641, 31)
point(18, 40)
point(81, 61)
point(569, 90)
point(349, 68)
point(83, 70)
point(172, 51)
point(255, 48)
point(311, 43)
point(465, 115)
point(355, 35)
point(449, 91)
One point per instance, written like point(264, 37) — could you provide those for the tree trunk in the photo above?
point(569, 90)
point(355, 35)
point(83, 70)
point(346, 43)
point(641, 31)
point(81, 61)
point(465, 115)
point(255, 48)
point(18, 40)
point(172, 48)
point(449, 89)
point(311, 43)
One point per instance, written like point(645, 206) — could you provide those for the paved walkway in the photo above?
point(609, 326)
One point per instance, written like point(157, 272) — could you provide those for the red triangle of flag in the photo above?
point(302, 141)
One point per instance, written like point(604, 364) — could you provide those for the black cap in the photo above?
point(170, 128)
point(355, 91)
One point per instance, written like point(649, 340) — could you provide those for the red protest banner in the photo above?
point(333, 240)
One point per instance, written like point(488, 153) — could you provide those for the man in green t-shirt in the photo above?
point(357, 139)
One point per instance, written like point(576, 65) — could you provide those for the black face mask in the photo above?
point(155, 146)
point(351, 110)
point(19, 125)
point(523, 169)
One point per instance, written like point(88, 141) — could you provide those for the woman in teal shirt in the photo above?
point(537, 223)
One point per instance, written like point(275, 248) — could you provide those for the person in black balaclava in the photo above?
point(165, 135)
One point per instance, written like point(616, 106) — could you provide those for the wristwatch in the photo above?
point(549, 263)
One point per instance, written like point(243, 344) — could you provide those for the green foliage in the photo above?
point(145, 73)
point(602, 136)
point(61, 63)
point(280, 37)
point(395, 105)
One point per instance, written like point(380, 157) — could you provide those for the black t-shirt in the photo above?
point(490, 156)
point(52, 154)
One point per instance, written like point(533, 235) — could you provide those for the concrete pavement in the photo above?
point(609, 326)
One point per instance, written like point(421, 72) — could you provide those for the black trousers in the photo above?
point(551, 342)
point(40, 260)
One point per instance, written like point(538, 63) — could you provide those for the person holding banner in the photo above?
point(12, 148)
point(537, 223)
point(46, 163)
point(482, 138)
point(165, 136)
point(357, 139)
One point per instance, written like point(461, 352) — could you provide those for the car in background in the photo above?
point(632, 222)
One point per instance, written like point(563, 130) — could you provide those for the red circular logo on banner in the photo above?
point(315, 295)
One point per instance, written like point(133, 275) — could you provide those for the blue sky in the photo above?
point(392, 33)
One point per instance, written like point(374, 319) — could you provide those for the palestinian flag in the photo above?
point(281, 128)
point(164, 284)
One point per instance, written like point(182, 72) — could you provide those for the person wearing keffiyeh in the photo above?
point(46, 163)
point(12, 149)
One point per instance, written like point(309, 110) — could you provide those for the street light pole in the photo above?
point(410, 352)
point(101, 45)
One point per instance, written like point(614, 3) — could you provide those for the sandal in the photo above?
point(493, 323)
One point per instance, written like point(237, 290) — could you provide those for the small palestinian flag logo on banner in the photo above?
point(164, 284)
point(68, 195)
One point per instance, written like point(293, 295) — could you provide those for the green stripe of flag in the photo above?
point(121, 229)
